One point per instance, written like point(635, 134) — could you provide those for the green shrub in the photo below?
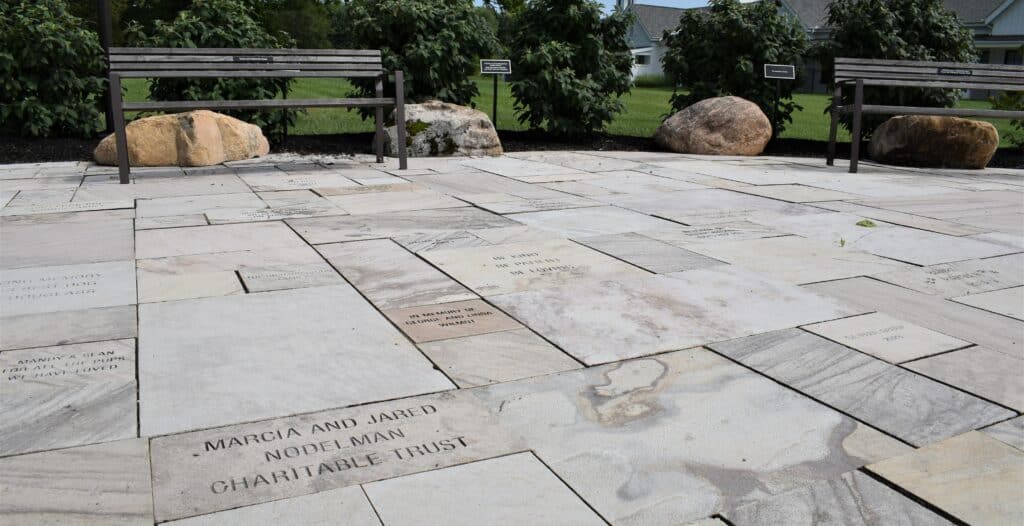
point(434, 42)
point(570, 65)
point(1012, 100)
point(51, 71)
point(652, 81)
point(897, 30)
point(307, 22)
point(722, 51)
point(216, 24)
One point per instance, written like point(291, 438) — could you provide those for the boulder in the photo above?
point(195, 138)
point(717, 126)
point(934, 142)
point(437, 128)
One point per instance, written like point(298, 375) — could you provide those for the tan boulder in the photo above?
point(717, 126)
point(934, 142)
point(436, 128)
point(195, 138)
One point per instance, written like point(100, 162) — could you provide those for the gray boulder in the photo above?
point(717, 126)
point(437, 128)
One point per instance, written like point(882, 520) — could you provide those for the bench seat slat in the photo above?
point(116, 60)
point(972, 79)
point(955, 65)
point(281, 73)
point(229, 66)
point(174, 105)
point(927, 70)
point(242, 51)
point(954, 112)
point(935, 84)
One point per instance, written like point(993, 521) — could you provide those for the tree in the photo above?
point(216, 24)
point(722, 51)
point(570, 65)
point(51, 71)
point(434, 42)
point(896, 30)
point(308, 22)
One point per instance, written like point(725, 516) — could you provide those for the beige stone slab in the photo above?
point(961, 278)
point(795, 193)
point(150, 223)
point(681, 235)
point(390, 276)
point(1008, 302)
point(497, 357)
point(69, 287)
point(70, 395)
point(588, 222)
point(520, 205)
point(427, 242)
point(149, 186)
point(218, 469)
point(214, 238)
point(397, 186)
point(1008, 432)
point(47, 244)
point(994, 331)
point(516, 267)
point(155, 287)
point(290, 277)
point(973, 477)
point(60, 328)
point(513, 234)
point(298, 180)
point(105, 484)
point(246, 215)
point(240, 260)
point(317, 230)
point(900, 218)
point(506, 491)
point(650, 254)
point(978, 370)
point(885, 337)
point(56, 208)
point(68, 218)
point(796, 259)
point(381, 202)
point(41, 183)
point(349, 505)
point(196, 204)
point(444, 321)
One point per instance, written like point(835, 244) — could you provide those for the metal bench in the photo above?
point(860, 72)
point(253, 63)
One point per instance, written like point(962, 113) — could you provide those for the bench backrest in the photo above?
point(131, 62)
point(930, 74)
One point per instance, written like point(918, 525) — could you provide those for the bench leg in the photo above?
point(858, 106)
point(378, 138)
point(120, 133)
point(403, 161)
point(833, 131)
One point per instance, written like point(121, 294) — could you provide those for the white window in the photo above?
point(643, 60)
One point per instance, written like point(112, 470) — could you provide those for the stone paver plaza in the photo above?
point(544, 338)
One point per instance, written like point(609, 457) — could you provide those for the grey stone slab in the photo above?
point(1008, 302)
point(705, 207)
point(665, 313)
point(650, 254)
point(316, 348)
point(667, 440)
point(247, 215)
point(885, 337)
point(513, 234)
point(505, 491)
point(218, 469)
point(348, 505)
point(26, 198)
point(510, 167)
point(951, 280)
point(975, 478)
point(56, 208)
point(444, 321)
point(1008, 223)
point(464, 184)
point(1009, 432)
point(587, 222)
point(585, 161)
point(196, 204)
point(71, 395)
point(393, 201)
point(684, 235)
point(520, 205)
point(155, 287)
point(290, 277)
point(241, 260)
point(500, 269)
point(996, 332)
point(900, 218)
point(47, 244)
point(630, 182)
point(428, 242)
point(909, 406)
point(796, 259)
point(319, 230)
point(852, 499)
point(60, 328)
point(952, 205)
point(148, 186)
point(99, 484)
point(795, 193)
point(92, 216)
point(497, 357)
point(390, 276)
point(41, 183)
point(978, 370)
point(297, 180)
point(214, 238)
point(69, 287)
point(892, 241)
point(397, 186)
point(149, 223)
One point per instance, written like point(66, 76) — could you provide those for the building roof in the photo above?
point(812, 13)
point(656, 19)
point(973, 11)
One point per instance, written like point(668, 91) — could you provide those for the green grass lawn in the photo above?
point(644, 111)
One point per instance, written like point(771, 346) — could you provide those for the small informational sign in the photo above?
point(495, 67)
point(780, 71)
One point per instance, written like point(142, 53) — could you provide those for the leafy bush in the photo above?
point(307, 22)
point(51, 71)
point(1012, 100)
point(722, 51)
point(896, 30)
point(570, 65)
point(652, 81)
point(216, 24)
point(434, 42)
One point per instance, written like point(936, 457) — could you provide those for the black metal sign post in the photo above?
point(106, 27)
point(495, 67)
point(779, 72)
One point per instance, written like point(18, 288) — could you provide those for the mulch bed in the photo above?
point(17, 150)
